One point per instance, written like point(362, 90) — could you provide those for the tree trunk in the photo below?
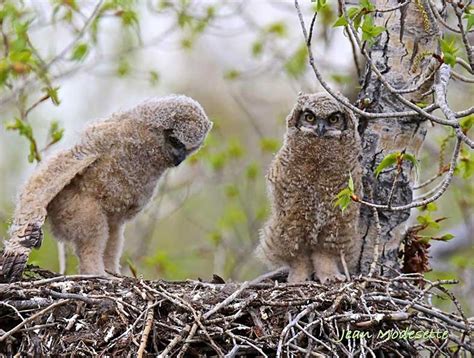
point(403, 55)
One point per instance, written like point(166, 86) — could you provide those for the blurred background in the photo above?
point(68, 62)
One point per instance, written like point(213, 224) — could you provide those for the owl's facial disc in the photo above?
point(176, 148)
point(328, 126)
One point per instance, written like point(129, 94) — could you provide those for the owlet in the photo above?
point(306, 232)
point(88, 192)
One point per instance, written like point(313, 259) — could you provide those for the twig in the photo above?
point(443, 187)
point(345, 102)
point(228, 300)
point(146, 330)
point(32, 318)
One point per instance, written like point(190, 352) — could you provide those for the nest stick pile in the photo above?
point(90, 316)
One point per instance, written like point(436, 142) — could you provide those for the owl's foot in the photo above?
point(299, 272)
point(326, 267)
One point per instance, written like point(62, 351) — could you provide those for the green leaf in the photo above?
point(23, 56)
point(55, 133)
point(296, 64)
point(340, 21)
point(343, 199)
point(350, 185)
point(129, 17)
point(25, 130)
point(187, 43)
point(232, 216)
point(79, 52)
point(411, 158)
point(446, 237)
point(369, 30)
point(215, 237)
point(467, 123)
point(277, 28)
point(430, 207)
point(231, 191)
point(262, 212)
point(367, 5)
point(252, 171)
point(232, 75)
point(353, 13)
point(154, 77)
point(210, 12)
point(341, 78)
point(52, 93)
point(217, 160)
point(320, 5)
point(123, 68)
point(470, 21)
point(4, 71)
point(257, 48)
point(465, 165)
point(386, 162)
point(428, 221)
point(270, 145)
point(449, 50)
point(235, 149)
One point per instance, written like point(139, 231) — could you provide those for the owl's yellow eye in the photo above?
point(334, 119)
point(309, 117)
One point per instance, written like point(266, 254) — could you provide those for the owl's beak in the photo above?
point(179, 154)
point(320, 128)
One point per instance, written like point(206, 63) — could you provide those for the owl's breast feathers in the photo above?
point(304, 179)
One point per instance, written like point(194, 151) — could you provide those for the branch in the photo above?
point(441, 89)
point(443, 187)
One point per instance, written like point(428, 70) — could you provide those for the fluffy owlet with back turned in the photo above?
point(91, 190)
point(306, 232)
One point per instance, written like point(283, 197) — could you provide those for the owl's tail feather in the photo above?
point(17, 251)
point(31, 210)
point(12, 265)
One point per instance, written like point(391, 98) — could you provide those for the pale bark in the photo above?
point(402, 55)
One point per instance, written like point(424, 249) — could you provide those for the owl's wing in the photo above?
point(45, 183)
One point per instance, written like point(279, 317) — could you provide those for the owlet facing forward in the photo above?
point(305, 231)
point(89, 191)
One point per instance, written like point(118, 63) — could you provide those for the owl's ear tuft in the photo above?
point(302, 96)
point(292, 118)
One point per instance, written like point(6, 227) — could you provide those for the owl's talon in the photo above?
point(339, 277)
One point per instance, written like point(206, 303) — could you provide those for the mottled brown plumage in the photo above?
point(89, 191)
point(305, 231)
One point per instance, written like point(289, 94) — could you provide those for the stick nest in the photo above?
point(89, 316)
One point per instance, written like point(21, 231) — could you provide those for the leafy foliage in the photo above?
point(397, 159)
point(469, 16)
point(296, 64)
point(25, 130)
point(344, 197)
point(358, 15)
point(449, 50)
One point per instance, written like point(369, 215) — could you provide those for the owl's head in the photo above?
point(181, 120)
point(320, 115)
